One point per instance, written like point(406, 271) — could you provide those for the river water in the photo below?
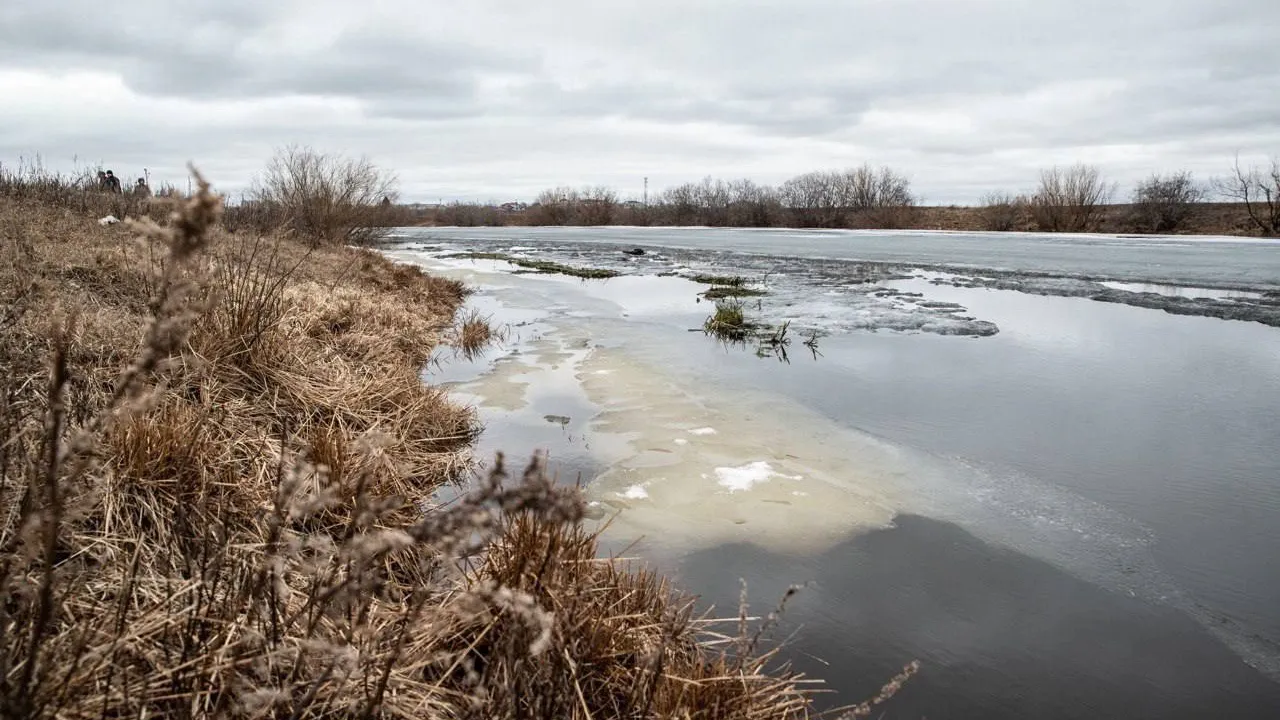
point(1060, 507)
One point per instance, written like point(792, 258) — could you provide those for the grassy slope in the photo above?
point(215, 452)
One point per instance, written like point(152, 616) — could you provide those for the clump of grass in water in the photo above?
point(731, 291)
point(473, 335)
point(541, 266)
point(726, 286)
point(724, 280)
point(729, 322)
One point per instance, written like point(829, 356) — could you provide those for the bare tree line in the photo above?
point(1075, 198)
point(857, 197)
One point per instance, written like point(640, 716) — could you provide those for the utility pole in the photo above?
point(646, 191)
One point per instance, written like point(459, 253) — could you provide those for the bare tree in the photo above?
point(326, 198)
point(865, 188)
point(460, 214)
point(713, 198)
point(877, 197)
point(1003, 211)
point(596, 205)
point(680, 204)
point(1070, 199)
point(1161, 203)
point(827, 199)
point(754, 205)
point(814, 198)
point(555, 206)
point(1259, 190)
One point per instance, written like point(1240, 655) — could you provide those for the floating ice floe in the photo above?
point(703, 431)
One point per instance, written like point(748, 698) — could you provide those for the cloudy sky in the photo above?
point(496, 99)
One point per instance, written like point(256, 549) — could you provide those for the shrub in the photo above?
point(1002, 211)
point(877, 197)
point(327, 198)
point(1259, 190)
point(1162, 203)
point(1070, 199)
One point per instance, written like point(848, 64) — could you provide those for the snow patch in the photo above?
point(742, 478)
point(635, 492)
point(703, 431)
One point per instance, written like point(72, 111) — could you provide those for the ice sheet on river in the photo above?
point(826, 297)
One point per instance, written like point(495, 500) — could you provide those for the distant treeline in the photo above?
point(1076, 198)
point(859, 197)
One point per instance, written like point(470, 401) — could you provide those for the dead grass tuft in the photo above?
point(473, 334)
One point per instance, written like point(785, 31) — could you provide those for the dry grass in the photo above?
point(33, 183)
point(473, 334)
point(542, 266)
point(215, 475)
point(728, 322)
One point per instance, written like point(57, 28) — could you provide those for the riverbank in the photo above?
point(217, 483)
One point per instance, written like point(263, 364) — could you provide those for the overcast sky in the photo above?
point(495, 100)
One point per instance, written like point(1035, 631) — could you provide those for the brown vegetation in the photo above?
point(473, 334)
point(1075, 198)
point(1163, 203)
point(216, 465)
point(1203, 218)
point(322, 198)
point(1258, 190)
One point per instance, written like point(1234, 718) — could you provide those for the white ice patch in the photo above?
point(635, 492)
point(742, 478)
point(680, 441)
point(703, 431)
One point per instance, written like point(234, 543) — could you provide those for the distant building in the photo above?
point(514, 206)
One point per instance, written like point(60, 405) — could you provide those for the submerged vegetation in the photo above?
point(728, 322)
point(729, 325)
point(725, 280)
point(726, 286)
point(541, 266)
point(217, 462)
point(728, 291)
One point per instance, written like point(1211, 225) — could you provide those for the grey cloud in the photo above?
point(201, 55)
point(569, 87)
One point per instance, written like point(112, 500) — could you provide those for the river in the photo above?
point(1061, 507)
